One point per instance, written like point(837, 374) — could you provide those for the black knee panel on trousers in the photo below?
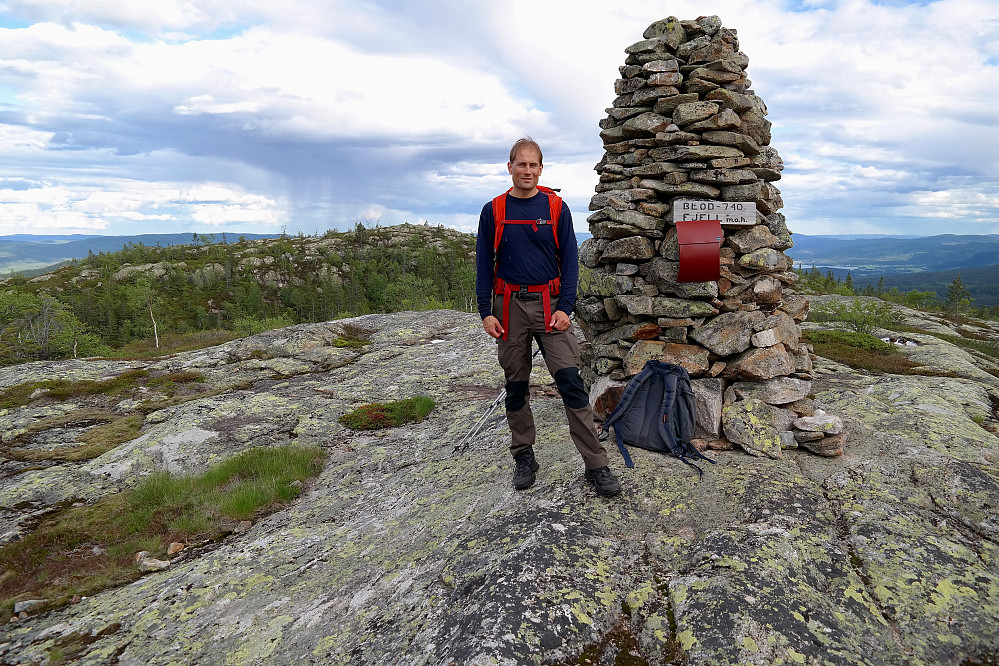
point(570, 386)
point(516, 395)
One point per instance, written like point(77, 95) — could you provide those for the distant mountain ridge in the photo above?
point(30, 253)
point(894, 254)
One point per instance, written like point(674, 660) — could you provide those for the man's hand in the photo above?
point(560, 321)
point(492, 326)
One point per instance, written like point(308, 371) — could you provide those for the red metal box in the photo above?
point(700, 242)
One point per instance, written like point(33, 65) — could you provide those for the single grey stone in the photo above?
point(727, 334)
point(694, 153)
point(666, 105)
point(776, 391)
point(707, 406)
point(751, 239)
point(654, 45)
point(645, 124)
point(697, 190)
point(635, 247)
point(746, 192)
point(658, 66)
point(653, 93)
point(760, 364)
point(788, 440)
point(686, 114)
point(741, 141)
point(730, 100)
point(665, 79)
point(684, 50)
point(749, 424)
point(723, 176)
point(819, 421)
point(148, 564)
point(807, 436)
point(765, 259)
point(635, 219)
point(28, 605)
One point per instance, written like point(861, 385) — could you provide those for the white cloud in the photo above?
point(407, 111)
point(79, 205)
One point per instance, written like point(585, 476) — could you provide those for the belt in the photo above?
point(527, 292)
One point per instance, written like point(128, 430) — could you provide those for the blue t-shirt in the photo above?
point(526, 255)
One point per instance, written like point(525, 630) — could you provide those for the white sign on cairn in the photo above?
point(730, 213)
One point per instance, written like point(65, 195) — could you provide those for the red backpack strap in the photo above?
point(554, 210)
point(499, 219)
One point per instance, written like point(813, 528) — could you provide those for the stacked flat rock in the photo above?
point(685, 125)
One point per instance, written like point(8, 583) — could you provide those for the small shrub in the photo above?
point(861, 316)
point(171, 379)
point(353, 337)
point(249, 326)
point(173, 343)
point(376, 416)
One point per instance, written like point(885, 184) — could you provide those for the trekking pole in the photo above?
point(466, 440)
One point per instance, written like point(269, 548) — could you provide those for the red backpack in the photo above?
point(500, 286)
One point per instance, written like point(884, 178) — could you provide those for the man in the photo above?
point(520, 272)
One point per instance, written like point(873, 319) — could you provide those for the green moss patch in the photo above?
point(866, 352)
point(126, 382)
point(82, 550)
point(353, 337)
point(376, 416)
point(94, 442)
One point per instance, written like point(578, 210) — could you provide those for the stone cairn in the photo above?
point(685, 125)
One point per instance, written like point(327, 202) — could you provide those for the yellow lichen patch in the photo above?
point(606, 597)
point(686, 639)
point(581, 615)
point(636, 598)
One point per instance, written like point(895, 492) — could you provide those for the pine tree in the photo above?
point(958, 296)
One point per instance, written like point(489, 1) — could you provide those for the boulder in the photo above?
point(750, 425)
point(727, 334)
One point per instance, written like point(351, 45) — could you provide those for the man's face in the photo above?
point(525, 169)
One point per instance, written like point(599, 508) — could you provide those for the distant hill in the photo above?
point(982, 283)
point(30, 254)
point(872, 257)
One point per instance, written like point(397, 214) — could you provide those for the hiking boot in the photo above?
point(524, 472)
point(603, 481)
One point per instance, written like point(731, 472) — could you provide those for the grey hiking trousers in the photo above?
point(560, 350)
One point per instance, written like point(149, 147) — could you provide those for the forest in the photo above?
point(955, 299)
point(151, 299)
point(147, 300)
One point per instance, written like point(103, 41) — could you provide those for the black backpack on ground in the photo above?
point(656, 412)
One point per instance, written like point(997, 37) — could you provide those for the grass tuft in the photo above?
point(86, 549)
point(376, 416)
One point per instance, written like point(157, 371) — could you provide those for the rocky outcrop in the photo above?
point(686, 129)
point(409, 550)
point(274, 262)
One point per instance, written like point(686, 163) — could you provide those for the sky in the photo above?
point(253, 116)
